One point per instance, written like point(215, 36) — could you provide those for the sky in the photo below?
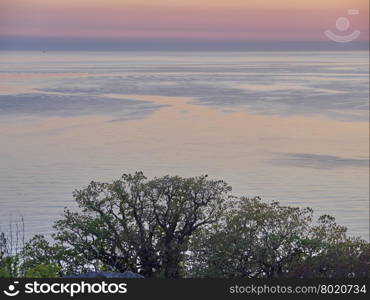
point(64, 22)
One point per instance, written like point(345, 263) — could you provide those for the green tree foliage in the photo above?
point(266, 240)
point(186, 227)
point(42, 271)
point(10, 266)
point(138, 224)
point(11, 244)
point(35, 259)
point(43, 259)
point(328, 252)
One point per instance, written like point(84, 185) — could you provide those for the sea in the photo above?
point(286, 126)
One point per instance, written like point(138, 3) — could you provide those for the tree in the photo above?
point(255, 240)
point(43, 259)
point(140, 225)
point(34, 259)
point(328, 252)
point(266, 240)
point(185, 227)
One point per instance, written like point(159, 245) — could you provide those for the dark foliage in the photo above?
point(186, 227)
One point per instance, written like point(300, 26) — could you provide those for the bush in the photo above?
point(43, 271)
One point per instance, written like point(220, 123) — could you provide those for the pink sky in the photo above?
point(217, 19)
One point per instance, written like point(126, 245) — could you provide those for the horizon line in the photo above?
point(140, 44)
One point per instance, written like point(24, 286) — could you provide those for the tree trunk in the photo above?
point(171, 262)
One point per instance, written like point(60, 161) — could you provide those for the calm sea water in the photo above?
point(286, 126)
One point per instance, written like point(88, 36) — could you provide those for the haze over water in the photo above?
point(286, 126)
